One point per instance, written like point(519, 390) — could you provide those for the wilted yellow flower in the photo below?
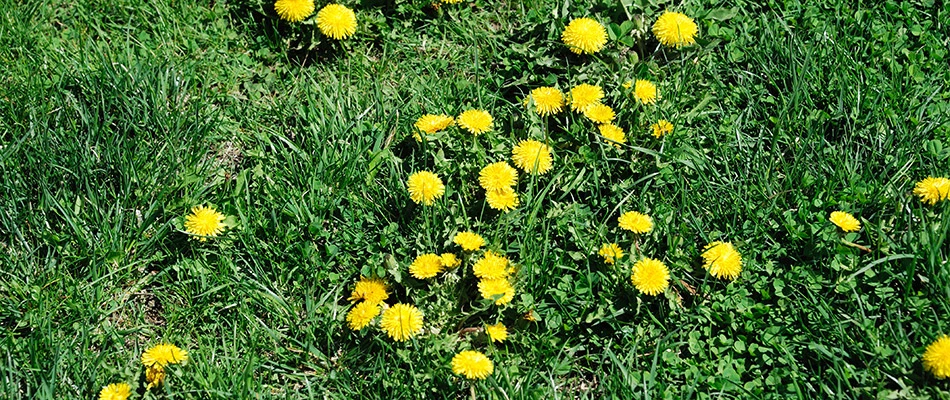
point(204, 222)
point(635, 222)
point(497, 287)
point(937, 357)
point(424, 187)
point(361, 314)
point(504, 199)
point(497, 332)
point(470, 241)
point(372, 290)
point(584, 35)
point(612, 134)
point(472, 365)
point(722, 260)
point(611, 252)
point(645, 91)
point(661, 128)
point(932, 190)
point(475, 121)
point(497, 176)
point(628, 84)
point(491, 266)
point(336, 21)
point(584, 96)
point(163, 354)
point(154, 376)
point(433, 123)
point(426, 266)
point(532, 157)
point(449, 260)
point(650, 276)
point(115, 391)
point(600, 113)
point(845, 221)
point(293, 10)
point(402, 321)
point(547, 100)
point(675, 29)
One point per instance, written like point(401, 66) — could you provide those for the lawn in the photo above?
point(118, 118)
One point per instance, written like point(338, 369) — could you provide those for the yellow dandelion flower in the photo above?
point(426, 266)
point(472, 365)
point(650, 276)
point(612, 134)
point(451, 1)
point(627, 84)
point(424, 187)
point(204, 222)
point(635, 222)
point(611, 252)
point(475, 121)
point(532, 157)
point(489, 288)
point(450, 260)
point(845, 221)
point(497, 333)
point(372, 290)
point(402, 321)
point(600, 113)
point(645, 92)
point(433, 123)
point(675, 29)
point(497, 176)
point(470, 241)
point(163, 354)
point(584, 35)
point(932, 190)
point(547, 100)
point(293, 10)
point(491, 266)
point(362, 314)
point(937, 357)
point(154, 376)
point(661, 128)
point(722, 260)
point(584, 96)
point(115, 391)
point(504, 199)
point(336, 21)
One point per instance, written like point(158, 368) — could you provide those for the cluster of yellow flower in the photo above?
point(930, 190)
point(335, 20)
point(155, 359)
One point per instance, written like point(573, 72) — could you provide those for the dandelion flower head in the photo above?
point(426, 266)
point(532, 157)
point(154, 376)
point(504, 199)
point(635, 222)
point(584, 96)
point(584, 35)
point(497, 332)
point(470, 241)
point(612, 134)
point(489, 288)
point(610, 252)
point(115, 391)
point(845, 221)
point(661, 128)
point(402, 321)
point(675, 29)
point(491, 266)
point(336, 21)
point(433, 123)
point(932, 190)
point(627, 84)
point(204, 222)
point(645, 91)
point(650, 276)
point(472, 365)
point(293, 10)
point(547, 100)
point(937, 357)
point(722, 260)
point(424, 187)
point(450, 260)
point(475, 121)
point(371, 290)
point(600, 113)
point(362, 314)
point(497, 176)
point(163, 354)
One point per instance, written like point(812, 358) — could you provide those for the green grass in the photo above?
point(117, 117)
